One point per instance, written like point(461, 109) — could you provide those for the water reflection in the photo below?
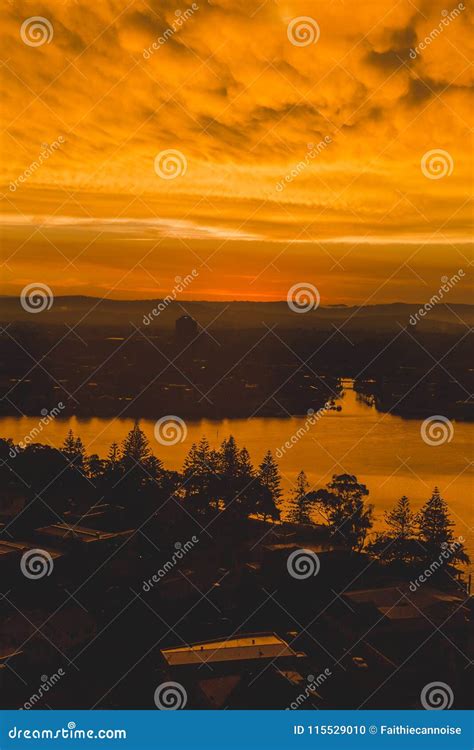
point(385, 452)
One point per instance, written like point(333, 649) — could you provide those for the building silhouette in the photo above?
point(186, 329)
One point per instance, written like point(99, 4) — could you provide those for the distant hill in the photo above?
point(90, 311)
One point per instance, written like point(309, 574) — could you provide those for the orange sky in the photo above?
point(256, 207)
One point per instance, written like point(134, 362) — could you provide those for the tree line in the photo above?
point(224, 482)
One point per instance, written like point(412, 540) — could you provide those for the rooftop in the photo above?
point(11, 548)
point(316, 548)
point(395, 604)
point(241, 648)
point(218, 689)
point(18, 548)
point(79, 533)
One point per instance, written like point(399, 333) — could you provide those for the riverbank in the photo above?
point(385, 452)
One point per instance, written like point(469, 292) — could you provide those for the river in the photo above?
point(385, 452)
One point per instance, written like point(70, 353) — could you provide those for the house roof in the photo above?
point(316, 548)
point(397, 604)
point(218, 689)
point(79, 533)
point(18, 548)
point(241, 648)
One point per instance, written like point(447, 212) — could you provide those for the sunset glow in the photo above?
point(299, 161)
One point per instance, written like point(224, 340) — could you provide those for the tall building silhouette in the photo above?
point(186, 329)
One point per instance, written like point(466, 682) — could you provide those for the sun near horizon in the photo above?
point(141, 143)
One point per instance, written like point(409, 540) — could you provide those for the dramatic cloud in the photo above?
point(295, 153)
